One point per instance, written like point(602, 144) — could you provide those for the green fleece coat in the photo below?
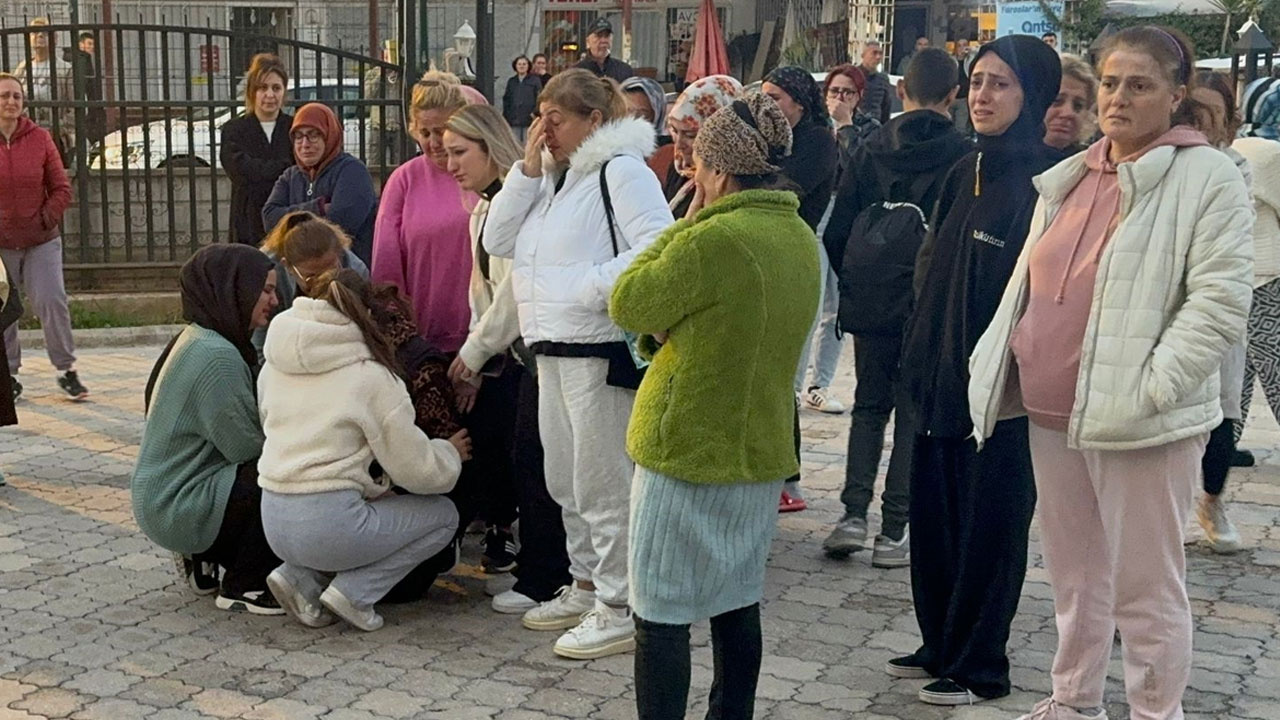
point(737, 289)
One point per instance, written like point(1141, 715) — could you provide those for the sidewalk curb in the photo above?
point(106, 337)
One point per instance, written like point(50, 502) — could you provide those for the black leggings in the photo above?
point(662, 667)
point(241, 546)
point(1217, 457)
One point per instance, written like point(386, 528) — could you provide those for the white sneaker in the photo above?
point(513, 603)
point(816, 399)
point(602, 632)
point(1219, 531)
point(1050, 709)
point(364, 618)
point(889, 553)
point(561, 612)
point(296, 603)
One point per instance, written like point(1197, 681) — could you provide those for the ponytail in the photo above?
point(356, 298)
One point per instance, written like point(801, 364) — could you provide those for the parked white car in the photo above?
point(183, 142)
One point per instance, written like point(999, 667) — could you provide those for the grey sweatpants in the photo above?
point(38, 272)
point(370, 546)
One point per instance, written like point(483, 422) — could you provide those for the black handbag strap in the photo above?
point(608, 206)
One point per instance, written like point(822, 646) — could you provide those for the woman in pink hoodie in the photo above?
point(1132, 286)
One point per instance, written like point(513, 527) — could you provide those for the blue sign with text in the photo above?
point(1025, 18)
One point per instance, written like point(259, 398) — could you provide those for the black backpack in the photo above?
point(879, 263)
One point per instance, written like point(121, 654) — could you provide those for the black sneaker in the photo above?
point(257, 602)
point(948, 693)
point(71, 385)
point(1242, 458)
point(907, 668)
point(17, 388)
point(201, 577)
point(499, 551)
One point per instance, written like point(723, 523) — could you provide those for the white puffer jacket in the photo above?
point(565, 266)
point(1171, 297)
point(494, 323)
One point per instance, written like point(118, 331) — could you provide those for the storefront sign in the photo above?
point(1025, 17)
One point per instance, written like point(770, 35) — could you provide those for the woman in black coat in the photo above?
point(520, 100)
point(255, 147)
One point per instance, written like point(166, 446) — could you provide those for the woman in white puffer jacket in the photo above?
point(551, 217)
point(1132, 286)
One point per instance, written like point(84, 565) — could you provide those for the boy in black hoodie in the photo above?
point(904, 161)
point(971, 511)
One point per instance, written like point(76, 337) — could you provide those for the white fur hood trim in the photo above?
point(627, 136)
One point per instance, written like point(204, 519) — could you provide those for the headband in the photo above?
point(1182, 56)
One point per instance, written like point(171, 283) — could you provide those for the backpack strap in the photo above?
point(608, 207)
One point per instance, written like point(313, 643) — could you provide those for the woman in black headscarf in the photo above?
point(970, 512)
point(814, 154)
point(195, 487)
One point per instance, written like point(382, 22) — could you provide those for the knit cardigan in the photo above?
point(203, 423)
point(736, 288)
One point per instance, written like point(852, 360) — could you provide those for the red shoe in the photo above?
point(789, 504)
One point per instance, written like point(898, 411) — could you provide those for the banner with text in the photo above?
point(1025, 17)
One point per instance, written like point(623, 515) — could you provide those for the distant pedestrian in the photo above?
point(520, 100)
point(922, 42)
point(36, 194)
point(255, 148)
point(1260, 112)
point(45, 77)
point(541, 69)
point(384, 135)
point(325, 181)
point(877, 101)
point(1070, 122)
point(195, 485)
point(569, 241)
point(970, 512)
point(599, 59)
point(648, 101)
point(673, 163)
point(333, 404)
point(1132, 285)
point(725, 300)
point(83, 57)
point(903, 163)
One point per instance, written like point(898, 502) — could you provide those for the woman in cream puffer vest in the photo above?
point(1134, 282)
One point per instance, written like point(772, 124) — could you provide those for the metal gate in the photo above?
point(140, 111)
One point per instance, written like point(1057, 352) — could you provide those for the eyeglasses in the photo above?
point(312, 137)
point(305, 280)
point(842, 93)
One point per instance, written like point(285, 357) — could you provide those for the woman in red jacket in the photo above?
point(36, 193)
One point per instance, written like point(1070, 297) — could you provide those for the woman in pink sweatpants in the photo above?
point(1132, 286)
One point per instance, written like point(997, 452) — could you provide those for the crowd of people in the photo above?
point(587, 319)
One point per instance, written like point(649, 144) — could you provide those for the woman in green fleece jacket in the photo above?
point(729, 293)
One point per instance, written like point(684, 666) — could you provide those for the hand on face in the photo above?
point(533, 146)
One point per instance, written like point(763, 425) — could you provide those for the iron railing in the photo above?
point(140, 131)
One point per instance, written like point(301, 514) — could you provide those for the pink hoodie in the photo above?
point(1063, 266)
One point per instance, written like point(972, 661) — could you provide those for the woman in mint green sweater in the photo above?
point(729, 293)
point(195, 487)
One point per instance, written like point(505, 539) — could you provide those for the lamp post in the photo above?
point(1253, 46)
point(485, 48)
point(464, 44)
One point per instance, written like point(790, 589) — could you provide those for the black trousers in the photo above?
point(875, 360)
point(796, 437)
point(1216, 463)
point(489, 483)
point(662, 667)
point(542, 566)
point(241, 548)
point(970, 519)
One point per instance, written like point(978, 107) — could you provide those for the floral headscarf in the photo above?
point(1260, 106)
point(700, 100)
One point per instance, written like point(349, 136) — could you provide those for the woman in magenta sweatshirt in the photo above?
point(422, 240)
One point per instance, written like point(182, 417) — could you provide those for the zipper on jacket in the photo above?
point(311, 187)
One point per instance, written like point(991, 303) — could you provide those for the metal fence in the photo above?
point(138, 114)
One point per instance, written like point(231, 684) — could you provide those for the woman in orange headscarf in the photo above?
point(325, 181)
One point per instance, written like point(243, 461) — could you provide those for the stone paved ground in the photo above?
point(94, 625)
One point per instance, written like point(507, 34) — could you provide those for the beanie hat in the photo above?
point(1039, 72)
point(746, 137)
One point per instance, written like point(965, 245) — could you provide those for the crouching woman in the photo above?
point(333, 401)
point(733, 291)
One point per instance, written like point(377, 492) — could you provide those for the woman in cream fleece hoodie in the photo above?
point(332, 403)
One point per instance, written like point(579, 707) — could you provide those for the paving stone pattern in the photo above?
point(94, 624)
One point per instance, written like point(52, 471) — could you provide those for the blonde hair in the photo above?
point(1077, 69)
point(483, 124)
point(9, 76)
point(582, 93)
point(262, 65)
point(301, 236)
point(437, 91)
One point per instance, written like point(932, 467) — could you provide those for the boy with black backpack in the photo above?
point(879, 221)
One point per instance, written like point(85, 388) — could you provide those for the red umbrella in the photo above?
point(708, 56)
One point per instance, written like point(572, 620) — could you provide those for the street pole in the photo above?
point(423, 61)
point(484, 48)
point(626, 31)
point(374, 51)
